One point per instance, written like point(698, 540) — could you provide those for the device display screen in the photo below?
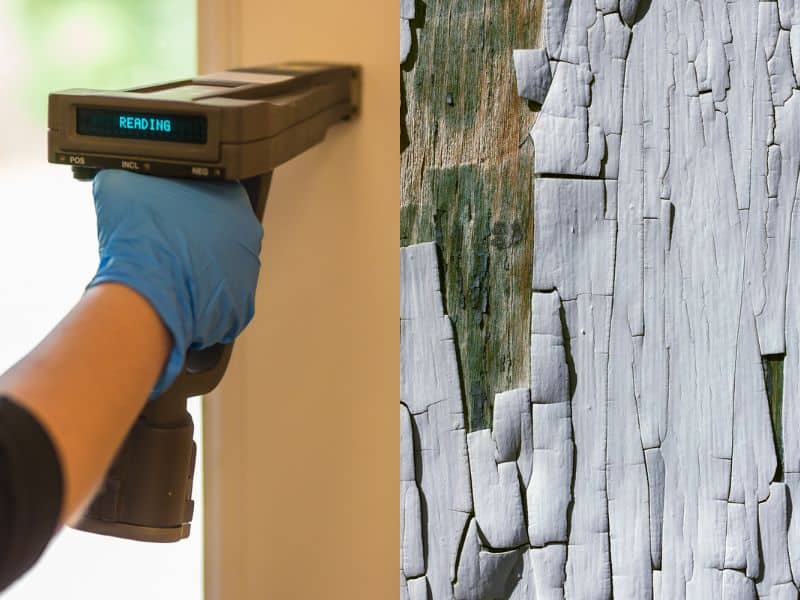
point(159, 127)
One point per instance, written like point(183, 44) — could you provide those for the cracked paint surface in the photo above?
point(644, 459)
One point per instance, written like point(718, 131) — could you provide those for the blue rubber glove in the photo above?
point(190, 248)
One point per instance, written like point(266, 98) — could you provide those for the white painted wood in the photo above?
point(654, 466)
point(549, 493)
point(407, 469)
point(575, 247)
point(418, 589)
point(666, 266)
point(753, 449)
point(737, 586)
point(412, 559)
point(420, 294)
point(588, 323)
point(573, 146)
point(793, 537)
point(791, 391)
point(406, 14)
point(429, 387)
point(532, 68)
point(626, 475)
point(736, 541)
point(414, 589)
point(627, 10)
point(405, 40)
point(555, 20)
point(657, 584)
point(483, 574)
point(511, 430)
point(773, 520)
point(520, 584)
point(407, 9)
point(547, 565)
point(496, 491)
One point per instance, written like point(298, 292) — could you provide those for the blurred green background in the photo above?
point(111, 44)
point(48, 243)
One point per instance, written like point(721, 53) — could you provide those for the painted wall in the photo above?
point(302, 435)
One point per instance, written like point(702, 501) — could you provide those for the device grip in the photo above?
point(147, 492)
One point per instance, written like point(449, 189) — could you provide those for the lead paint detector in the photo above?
point(235, 125)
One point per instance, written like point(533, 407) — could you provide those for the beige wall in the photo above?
point(302, 436)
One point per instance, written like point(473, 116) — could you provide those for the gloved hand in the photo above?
point(190, 248)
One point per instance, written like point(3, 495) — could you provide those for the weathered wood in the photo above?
point(659, 442)
point(466, 181)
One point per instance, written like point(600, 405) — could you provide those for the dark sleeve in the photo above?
point(31, 489)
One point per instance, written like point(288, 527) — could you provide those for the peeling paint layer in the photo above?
point(654, 454)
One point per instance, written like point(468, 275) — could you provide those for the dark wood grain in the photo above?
point(467, 181)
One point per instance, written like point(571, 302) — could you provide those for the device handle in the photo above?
point(147, 492)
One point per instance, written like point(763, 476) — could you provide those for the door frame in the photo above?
point(218, 37)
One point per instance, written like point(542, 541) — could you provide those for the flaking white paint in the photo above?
point(667, 154)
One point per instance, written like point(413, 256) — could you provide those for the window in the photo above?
point(48, 246)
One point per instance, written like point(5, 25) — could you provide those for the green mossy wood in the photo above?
point(773, 379)
point(466, 181)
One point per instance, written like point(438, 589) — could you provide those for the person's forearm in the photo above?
point(87, 381)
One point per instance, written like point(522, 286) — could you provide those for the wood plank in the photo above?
point(665, 339)
point(466, 181)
